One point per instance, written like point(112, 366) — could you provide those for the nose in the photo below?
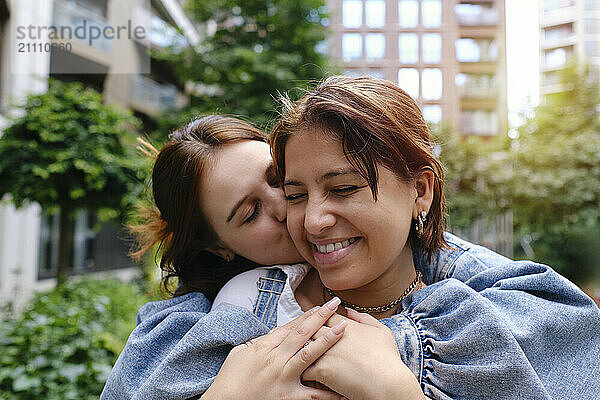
point(276, 204)
point(317, 218)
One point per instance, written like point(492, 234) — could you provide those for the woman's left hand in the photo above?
point(365, 363)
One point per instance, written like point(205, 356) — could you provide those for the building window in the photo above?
point(93, 250)
point(352, 13)
point(408, 80)
point(590, 5)
point(352, 73)
point(559, 33)
point(375, 13)
point(432, 48)
point(431, 13)
point(476, 50)
point(408, 48)
point(467, 50)
point(478, 122)
point(375, 46)
point(590, 25)
point(591, 49)
point(432, 113)
point(375, 73)
point(555, 58)
point(351, 46)
point(408, 13)
point(431, 87)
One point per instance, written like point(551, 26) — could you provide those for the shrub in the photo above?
point(65, 342)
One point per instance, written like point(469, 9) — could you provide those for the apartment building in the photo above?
point(448, 55)
point(569, 28)
point(123, 69)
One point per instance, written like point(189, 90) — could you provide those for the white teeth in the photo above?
point(328, 248)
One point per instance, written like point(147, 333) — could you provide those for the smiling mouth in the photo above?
point(331, 247)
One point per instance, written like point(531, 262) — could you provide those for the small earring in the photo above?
point(228, 258)
point(420, 224)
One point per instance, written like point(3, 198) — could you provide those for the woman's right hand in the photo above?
point(271, 366)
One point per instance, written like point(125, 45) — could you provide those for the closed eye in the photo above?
point(346, 190)
point(294, 196)
point(255, 213)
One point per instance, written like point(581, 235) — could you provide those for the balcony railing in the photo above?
point(477, 92)
point(476, 15)
point(568, 40)
point(562, 14)
point(75, 22)
point(479, 122)
point(151, 95)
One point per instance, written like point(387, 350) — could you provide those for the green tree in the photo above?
point(557, 176)
point(259, 48)
point(476, 174)
point(69, 151)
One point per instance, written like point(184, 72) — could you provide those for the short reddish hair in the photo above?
point(376, 123)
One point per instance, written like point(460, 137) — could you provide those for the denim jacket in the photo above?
point(485, 327)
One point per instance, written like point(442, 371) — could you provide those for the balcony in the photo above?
point(476, 15)
point(74, 22)
point(152, 97)
point(560, 15)
point(477, 92)
point(479, 122)
point(558, 41)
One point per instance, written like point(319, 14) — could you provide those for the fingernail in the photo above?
point(333, 303)
point(339, 328)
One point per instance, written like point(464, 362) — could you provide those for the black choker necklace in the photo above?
point(378, 309)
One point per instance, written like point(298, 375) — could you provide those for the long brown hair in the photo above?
point(175, 221)
point(376, 123)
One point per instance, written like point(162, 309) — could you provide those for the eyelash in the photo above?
point(341, 191)
point(346, 190)
point(255, 213)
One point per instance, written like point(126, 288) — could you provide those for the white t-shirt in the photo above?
point(241, 290)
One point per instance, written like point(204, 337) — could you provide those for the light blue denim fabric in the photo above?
point(269, 290)
point(486, 327)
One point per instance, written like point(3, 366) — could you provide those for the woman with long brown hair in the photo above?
point(218, 210)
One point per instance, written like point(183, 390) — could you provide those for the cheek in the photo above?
point(295, 224)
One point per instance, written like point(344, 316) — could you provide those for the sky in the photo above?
point(522, 57)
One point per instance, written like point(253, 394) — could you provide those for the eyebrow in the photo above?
point(269, 172)
point(328, 175)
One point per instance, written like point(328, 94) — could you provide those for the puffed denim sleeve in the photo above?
point(178, 347)
point(514, 330)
